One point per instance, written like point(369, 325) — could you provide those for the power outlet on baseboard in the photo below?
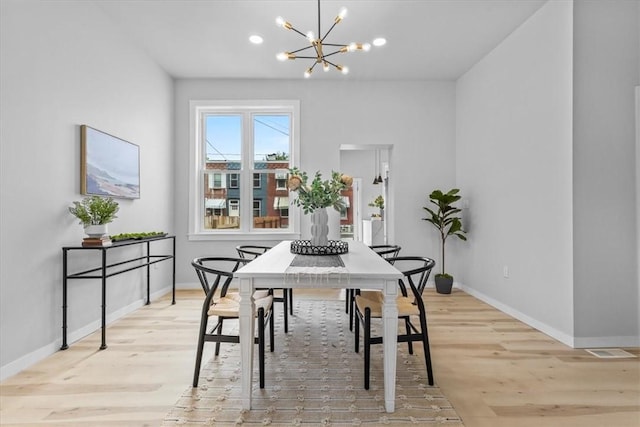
point(505, 272)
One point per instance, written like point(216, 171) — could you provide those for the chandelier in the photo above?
point(318, 47)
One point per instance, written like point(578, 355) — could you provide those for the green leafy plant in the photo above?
point(137, 236)
point(319, 193)
point(378, 202)
point(445, 218)
point(277, 156)
point(95, 210)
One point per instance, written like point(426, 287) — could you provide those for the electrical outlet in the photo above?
point(505, 271)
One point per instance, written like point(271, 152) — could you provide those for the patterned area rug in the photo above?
point(314, 377)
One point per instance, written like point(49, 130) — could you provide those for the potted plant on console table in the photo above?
point(95, 213)
point(447, 222)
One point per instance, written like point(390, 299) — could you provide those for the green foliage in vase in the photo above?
point(95, 210)
point(318, 193)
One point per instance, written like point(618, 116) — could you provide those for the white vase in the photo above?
point(319, 227)
point(96, 231)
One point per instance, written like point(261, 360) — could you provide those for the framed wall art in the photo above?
point(109, 166)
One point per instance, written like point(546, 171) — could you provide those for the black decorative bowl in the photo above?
point(334, 247)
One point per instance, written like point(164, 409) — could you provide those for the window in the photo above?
point(243, 150)
point(281, 181)
point(216, 180)
point(233, 180)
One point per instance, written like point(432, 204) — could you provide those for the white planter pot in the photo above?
point(96, 231)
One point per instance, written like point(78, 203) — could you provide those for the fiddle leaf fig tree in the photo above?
point(444, 216)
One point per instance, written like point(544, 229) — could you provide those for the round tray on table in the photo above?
point(333, 247)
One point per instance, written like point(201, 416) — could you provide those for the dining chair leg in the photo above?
point(352, 302)
point(271, 331)
point(409, 343)
point(347, 293)
point(290, 292)
point(261, 344)
point(425, 346)
point(219, 327)
point(367, 346)
point(203, 331)
point(350, 311)
point(285, 302)
point(356, 334)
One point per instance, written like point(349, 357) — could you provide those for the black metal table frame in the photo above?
point(147, 261)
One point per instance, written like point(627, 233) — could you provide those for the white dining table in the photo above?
point(363, 269)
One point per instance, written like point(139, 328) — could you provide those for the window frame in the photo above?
point(234, 178)
point(258, 208)
point(197, 153)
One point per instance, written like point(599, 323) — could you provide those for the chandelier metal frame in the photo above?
point(318, 45)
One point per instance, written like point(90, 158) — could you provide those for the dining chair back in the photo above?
point(415, 271)
point(385, 251)
point(253, 251)
point(216, 275)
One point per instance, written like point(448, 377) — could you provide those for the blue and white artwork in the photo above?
point(111, 165)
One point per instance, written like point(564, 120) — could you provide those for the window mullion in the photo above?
point(246, 195)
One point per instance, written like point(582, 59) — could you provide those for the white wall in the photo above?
point(606, 53)
point(513, 163)
point(64, 64)
point(416, 117)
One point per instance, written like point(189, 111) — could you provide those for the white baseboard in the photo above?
point(542, 327)
point(12, 368)
point(34, 357)
point(571, 341)
point(188, 285)
point(607, 342)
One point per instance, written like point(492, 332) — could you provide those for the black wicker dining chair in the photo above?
point(253, 251)
point(215, 275)
point(416, 271)
point(386, 252)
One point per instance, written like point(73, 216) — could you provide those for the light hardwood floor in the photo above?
point(495, 370)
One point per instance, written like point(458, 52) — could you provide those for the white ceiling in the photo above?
point(427, 39)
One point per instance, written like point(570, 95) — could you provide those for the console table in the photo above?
point(108, 270)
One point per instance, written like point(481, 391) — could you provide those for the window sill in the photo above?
point(239, 236)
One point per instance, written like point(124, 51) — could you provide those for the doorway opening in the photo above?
point(370, 166)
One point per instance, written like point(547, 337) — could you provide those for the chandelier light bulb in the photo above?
point(325, 66)
point(352, 47)
point(310, 36)
point(280, 22)
point(282, 56)
point(343, 69)
point(342, 14)
point(366, 47)
point(307, 73)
